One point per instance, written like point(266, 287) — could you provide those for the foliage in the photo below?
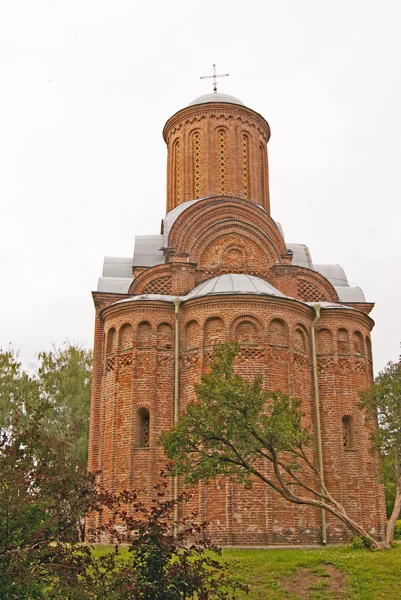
point(18, 390)
point(236, 428)
point(161, 566)
point(383, 405)
point(44, 494)
point(64, 377)
point(397, 530)
point(62, 381)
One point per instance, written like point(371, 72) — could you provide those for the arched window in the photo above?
point(245, 160)
point(196, 161)
point(222, 162)
point(347, 432)
point(143, 429)
point(176, 171)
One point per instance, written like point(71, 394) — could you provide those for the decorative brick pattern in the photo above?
point(309, 292)
point(218, 152)
point(161, 285)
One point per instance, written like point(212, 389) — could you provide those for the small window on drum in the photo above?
point(347, 432)
point(143, 428)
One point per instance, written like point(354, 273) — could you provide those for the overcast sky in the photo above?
point(86, 87)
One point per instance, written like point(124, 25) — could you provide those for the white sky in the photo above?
point(86, 87)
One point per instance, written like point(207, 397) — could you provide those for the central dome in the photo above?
point(234, 283)
point(216, 97)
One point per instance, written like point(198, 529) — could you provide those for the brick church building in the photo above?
point(220, 270)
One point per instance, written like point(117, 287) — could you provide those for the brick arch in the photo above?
point(214, 331)
point(324, 341)
point(208, 213)
point(125, 336)
point(144, 334)
point(304, 284)
point(155, 280)
point(358, 346)
point(192, 334)
point(111, 340)
point(278, 332)
point(165, 336)
point(314, 287)
point(241, 331)
point(257, 251)
point(343, 345)
point(300, 338)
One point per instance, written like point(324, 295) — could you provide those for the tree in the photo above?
point(18, 390)
point(383, 404)
point(236, 428)
point(64, 379)
point(43, 493)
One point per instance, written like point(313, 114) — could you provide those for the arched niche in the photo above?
point(192, 335)
point(246, 331)
point(111, 340)
point(126, 337)
point(214, 331)
point(357, 342)
point(369, 348)
point(165, 336)
point(300, 343)
point(324, 341)
point(342, 341)
point(278, 333)
point(144, 334)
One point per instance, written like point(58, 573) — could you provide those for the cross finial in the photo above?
point(214, 76)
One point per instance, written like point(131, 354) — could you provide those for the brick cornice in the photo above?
point(201, 111)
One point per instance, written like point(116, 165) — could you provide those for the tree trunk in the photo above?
point(396, 510)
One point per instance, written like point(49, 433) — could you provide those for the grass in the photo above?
point(371, 575)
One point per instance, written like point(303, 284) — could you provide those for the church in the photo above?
point(219, 270)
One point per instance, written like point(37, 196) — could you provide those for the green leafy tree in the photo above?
point(64, 379)
point(43, 494)
point(19, 391)
point(236, 427)
point(383, 404)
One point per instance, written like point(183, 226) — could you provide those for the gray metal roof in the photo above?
point(334, 273)
point(116, 266)
point(216, 97)
point(173, 215)
point(348, 293)
point(234, 283)
point(301, 255)
point(116, 285)
point(147, 250)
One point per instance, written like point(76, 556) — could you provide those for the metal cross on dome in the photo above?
point(214, 76)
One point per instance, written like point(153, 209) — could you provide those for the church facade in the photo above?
point(221, 270)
